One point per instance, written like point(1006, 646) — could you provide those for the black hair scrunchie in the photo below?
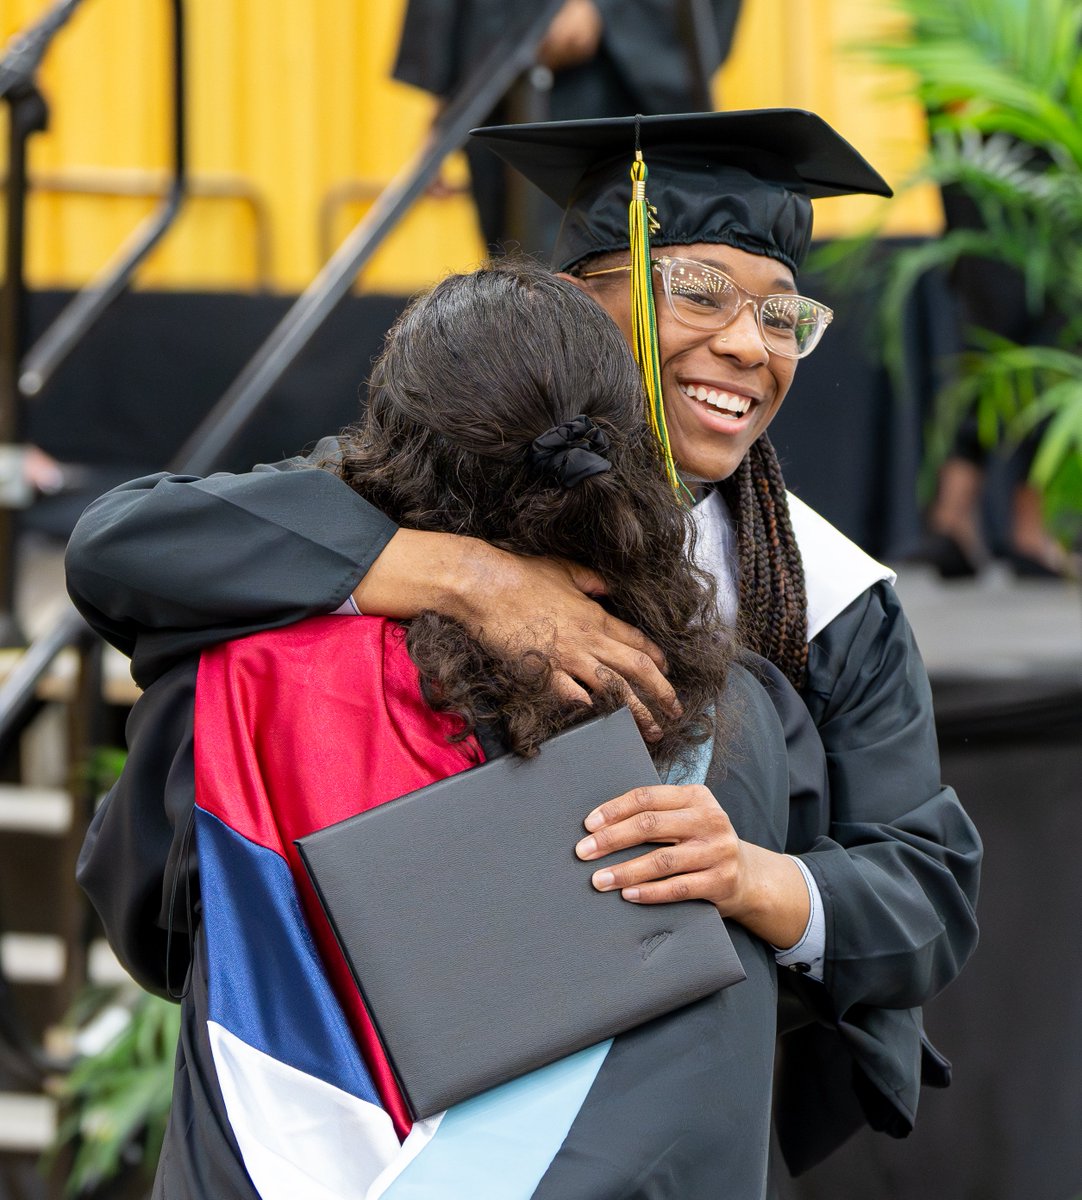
point(571, 452)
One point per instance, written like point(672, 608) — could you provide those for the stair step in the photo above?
point(58, 683)
point(27, 1121)
point(34, 810)
point(32, 957)
point(40, 958)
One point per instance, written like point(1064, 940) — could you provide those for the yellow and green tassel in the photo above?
point(641, 223)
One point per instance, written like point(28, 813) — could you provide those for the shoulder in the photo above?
point(310, 648)
point(866, 660)
point(836, 571)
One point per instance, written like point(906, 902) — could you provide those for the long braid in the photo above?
point(773, 600)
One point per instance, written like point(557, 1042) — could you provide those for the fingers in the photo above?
point(567, 689)
point(699, 886)
point(644, 718)
point(641, 669)
point(698, 857)
point(687, 871)
point(649, 826)
point(516, 603)
point(605, 649)
point(587, 581)
point(591, 584)
point(647, 804)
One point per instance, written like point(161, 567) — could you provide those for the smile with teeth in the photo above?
point(725, 401)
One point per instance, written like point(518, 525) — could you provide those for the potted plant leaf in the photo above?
point(1002, 83)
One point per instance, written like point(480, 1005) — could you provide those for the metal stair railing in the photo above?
point(487, 84)
point(26, 376)
point(150, 184)
point(21, 376)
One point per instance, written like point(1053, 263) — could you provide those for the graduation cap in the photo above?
point(743, 179)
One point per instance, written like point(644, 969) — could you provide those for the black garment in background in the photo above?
point(643, 65)
point(991, 295)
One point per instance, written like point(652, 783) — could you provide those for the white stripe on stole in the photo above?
point(299, 1136)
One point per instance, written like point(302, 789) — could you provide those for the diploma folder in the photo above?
point(478, 942)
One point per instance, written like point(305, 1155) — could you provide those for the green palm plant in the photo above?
point(115, 1103)
point(1002, 82)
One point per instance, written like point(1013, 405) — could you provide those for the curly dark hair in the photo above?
point(471, 374)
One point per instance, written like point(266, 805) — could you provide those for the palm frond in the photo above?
point(115, 1103)
point(1002, 80)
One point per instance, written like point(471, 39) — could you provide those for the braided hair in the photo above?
point(773, 601)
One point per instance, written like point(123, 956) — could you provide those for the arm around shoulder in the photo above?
point(227, 554)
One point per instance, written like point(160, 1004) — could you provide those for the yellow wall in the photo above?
point(800, 53)
point(292, 98)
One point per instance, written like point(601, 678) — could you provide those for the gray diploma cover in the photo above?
point(477, 940)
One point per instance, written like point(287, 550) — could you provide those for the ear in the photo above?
point(581, 284)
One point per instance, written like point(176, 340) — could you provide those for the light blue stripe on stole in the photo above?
point(498, 1145)
point(694, 771)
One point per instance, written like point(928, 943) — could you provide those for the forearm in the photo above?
point(417, 570)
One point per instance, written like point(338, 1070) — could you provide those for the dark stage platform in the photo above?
point(1005, 657)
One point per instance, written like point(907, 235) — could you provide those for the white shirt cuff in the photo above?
point(807, 956)
point(348, 608)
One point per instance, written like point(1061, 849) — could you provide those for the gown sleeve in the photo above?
point(168, 564)
point(898, 865)
point(137, 863)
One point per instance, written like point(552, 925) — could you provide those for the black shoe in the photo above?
point(1025, 566)
point(941, 551)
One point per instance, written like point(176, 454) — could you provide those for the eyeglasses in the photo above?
point(706, 298)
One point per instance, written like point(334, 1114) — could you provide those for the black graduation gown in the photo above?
point(166, 564)
point(643, 48)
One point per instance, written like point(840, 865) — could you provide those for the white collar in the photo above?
point(836, 570)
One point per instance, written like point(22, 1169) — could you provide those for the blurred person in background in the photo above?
point(601, 58)
point(958, 543)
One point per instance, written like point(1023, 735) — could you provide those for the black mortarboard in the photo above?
point(742, 179)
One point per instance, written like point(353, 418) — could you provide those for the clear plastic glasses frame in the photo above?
point(705, 298)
